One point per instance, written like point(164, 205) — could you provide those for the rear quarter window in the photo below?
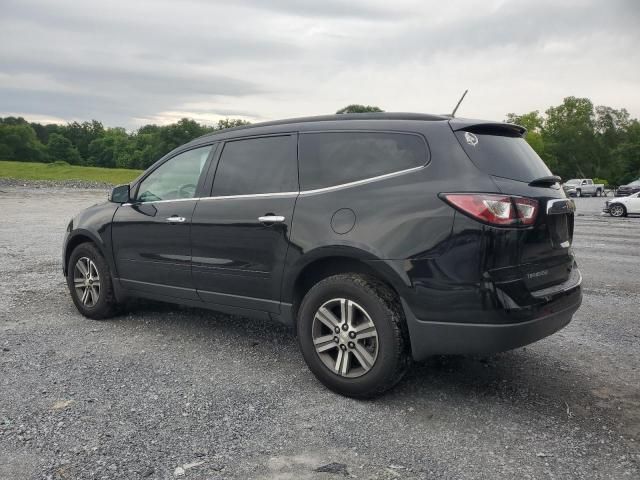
point(335, 158)
point(503, 155)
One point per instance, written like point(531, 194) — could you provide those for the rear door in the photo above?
point(152, 234)
point(543, 255)
point(240, 234)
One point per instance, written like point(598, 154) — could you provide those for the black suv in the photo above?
point(379, 237)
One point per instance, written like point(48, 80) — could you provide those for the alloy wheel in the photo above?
point(345, 338)
point(86, 281)
point(617, 210)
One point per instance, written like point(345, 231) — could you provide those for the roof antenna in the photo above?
point(453, 114)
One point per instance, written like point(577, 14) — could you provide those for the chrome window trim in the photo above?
point(291, 194)
point(128, 204)
point(221, 197)
point(252, 195)
point(363, 181)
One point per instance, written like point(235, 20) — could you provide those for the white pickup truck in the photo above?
point(583, 187)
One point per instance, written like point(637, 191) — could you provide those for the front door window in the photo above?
point(175, 179)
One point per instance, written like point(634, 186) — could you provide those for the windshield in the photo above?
point(503, 155)
point(635, 183)
point(573, 182)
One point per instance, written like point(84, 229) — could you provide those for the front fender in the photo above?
point(78, 236)
point(92, 224)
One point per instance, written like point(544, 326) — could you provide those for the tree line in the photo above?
point(575, 139)
point(93, 144)
point(579, 140)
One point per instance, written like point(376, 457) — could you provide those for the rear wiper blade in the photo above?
point(545, 181)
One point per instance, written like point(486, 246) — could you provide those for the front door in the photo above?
point(240, 235)
point(152, 234)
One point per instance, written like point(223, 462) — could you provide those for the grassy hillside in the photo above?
point(63, 171)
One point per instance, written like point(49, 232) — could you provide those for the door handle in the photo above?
point(271, 219)
point(176, 219)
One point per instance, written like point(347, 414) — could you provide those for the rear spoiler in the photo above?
point(484, 126)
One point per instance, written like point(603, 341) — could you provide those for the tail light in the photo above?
point(503, 210)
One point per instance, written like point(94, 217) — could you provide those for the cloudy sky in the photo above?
point(138, 61)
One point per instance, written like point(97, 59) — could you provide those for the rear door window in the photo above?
point(503, 155)
point(335, 158)
point(257, 165)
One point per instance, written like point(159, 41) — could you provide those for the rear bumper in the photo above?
point(440, 338)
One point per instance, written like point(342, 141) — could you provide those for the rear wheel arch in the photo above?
point(335, 264)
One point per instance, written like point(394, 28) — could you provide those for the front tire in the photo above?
point(578, 193)
point(617, 210)
point(352, 335)
point(89, 282)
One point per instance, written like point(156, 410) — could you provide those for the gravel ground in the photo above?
point(55, 184)
point(164, 392)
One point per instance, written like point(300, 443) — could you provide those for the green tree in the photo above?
point(230, 123)
point(612, 129)
point(356, 108)
point(176, 134)
point(626, 155)
point(82, 134)
point(18, 141)
point(60, 149)
point(533, 122)
point(41, 132)
point(569, 138)
point(145, 147)
point(112, 149)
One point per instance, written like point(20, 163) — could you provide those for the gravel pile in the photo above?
point(75, 184)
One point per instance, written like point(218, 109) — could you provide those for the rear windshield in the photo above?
point(502, 155)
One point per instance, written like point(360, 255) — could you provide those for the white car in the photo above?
point(621, 206)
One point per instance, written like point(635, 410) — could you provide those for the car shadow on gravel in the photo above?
point(525, 380)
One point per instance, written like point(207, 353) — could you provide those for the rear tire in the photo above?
point(361, 354)
point(617, 210)
point(90, 284)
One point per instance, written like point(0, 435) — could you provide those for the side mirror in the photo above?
point(120, 194)
point(584, 182)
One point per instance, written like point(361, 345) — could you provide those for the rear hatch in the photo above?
point(539, 255)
